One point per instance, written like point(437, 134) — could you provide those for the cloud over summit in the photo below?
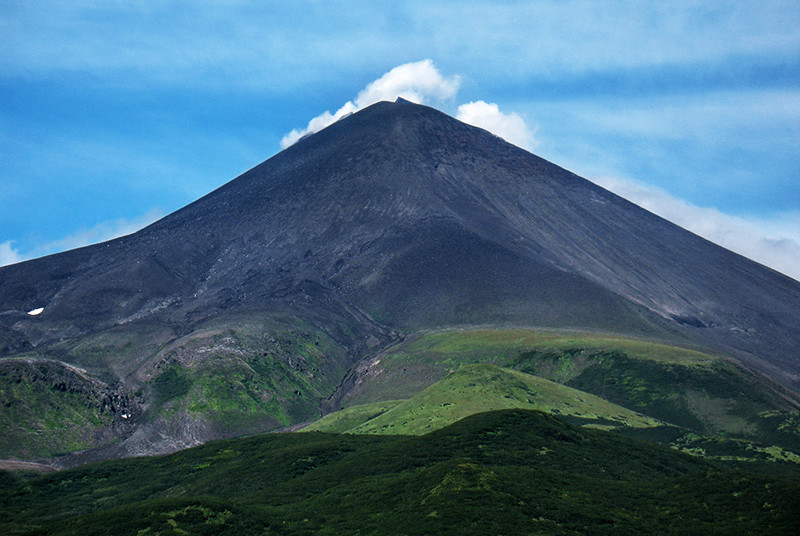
point(421, 82)
point(418, 82)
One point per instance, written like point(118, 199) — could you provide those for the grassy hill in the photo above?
point(510, 472)
point(475, 389)
point(772, 448)
point(699, 391)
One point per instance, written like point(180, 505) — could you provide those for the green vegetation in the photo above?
point(47, 410)
point(171, 383)
point(478, 388)
point(496, 343)
point(346, 420)
point(697, 403)
point(557, 356)
point(679, 386)
point(244, 378)
point(779, 427)
point(245, 374)
point(751, 456)
point(718, 398)
point(234, 375)
point(505, 472)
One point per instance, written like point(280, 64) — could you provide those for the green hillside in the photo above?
point(344, 421)
point(48, 408)
point(470, 389)
point(234, 375)
point(246, 374)
point(474, 389)
point(509, 472)
point(683, 387)
point(239, 373)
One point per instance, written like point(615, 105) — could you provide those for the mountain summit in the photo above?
point(395, 219)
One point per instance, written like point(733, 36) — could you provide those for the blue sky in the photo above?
point(113, 114)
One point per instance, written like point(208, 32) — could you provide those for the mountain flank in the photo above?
point(245, 310)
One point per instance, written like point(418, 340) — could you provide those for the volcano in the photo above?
point(394, 220)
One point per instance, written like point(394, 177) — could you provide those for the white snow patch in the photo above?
point(35, 312)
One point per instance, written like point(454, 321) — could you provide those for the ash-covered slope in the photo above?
point(399, 218)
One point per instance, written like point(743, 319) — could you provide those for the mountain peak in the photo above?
point(262, 299)
point(400, 217)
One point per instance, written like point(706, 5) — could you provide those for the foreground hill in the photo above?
point(693, 401)
point(509, 472)
point(476, 389)
point(243, 311)
point(704, 392)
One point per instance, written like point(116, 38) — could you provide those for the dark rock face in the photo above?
point(399, 218)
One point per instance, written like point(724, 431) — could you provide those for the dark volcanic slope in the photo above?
point(400, 217)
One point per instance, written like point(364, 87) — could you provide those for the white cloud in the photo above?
point(318, 123)
point(774, 241)
point(9, 254)
point(509, 126)
point(417, 82)
point(421, 82)
point(101, 232)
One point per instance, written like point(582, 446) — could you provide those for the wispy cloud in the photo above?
point(418, 82)
point(104, 231)
point(735, 150)
point(509, 126)
point(283, 44)
point(101, 232)
point(9, 254)
point(772, 241)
